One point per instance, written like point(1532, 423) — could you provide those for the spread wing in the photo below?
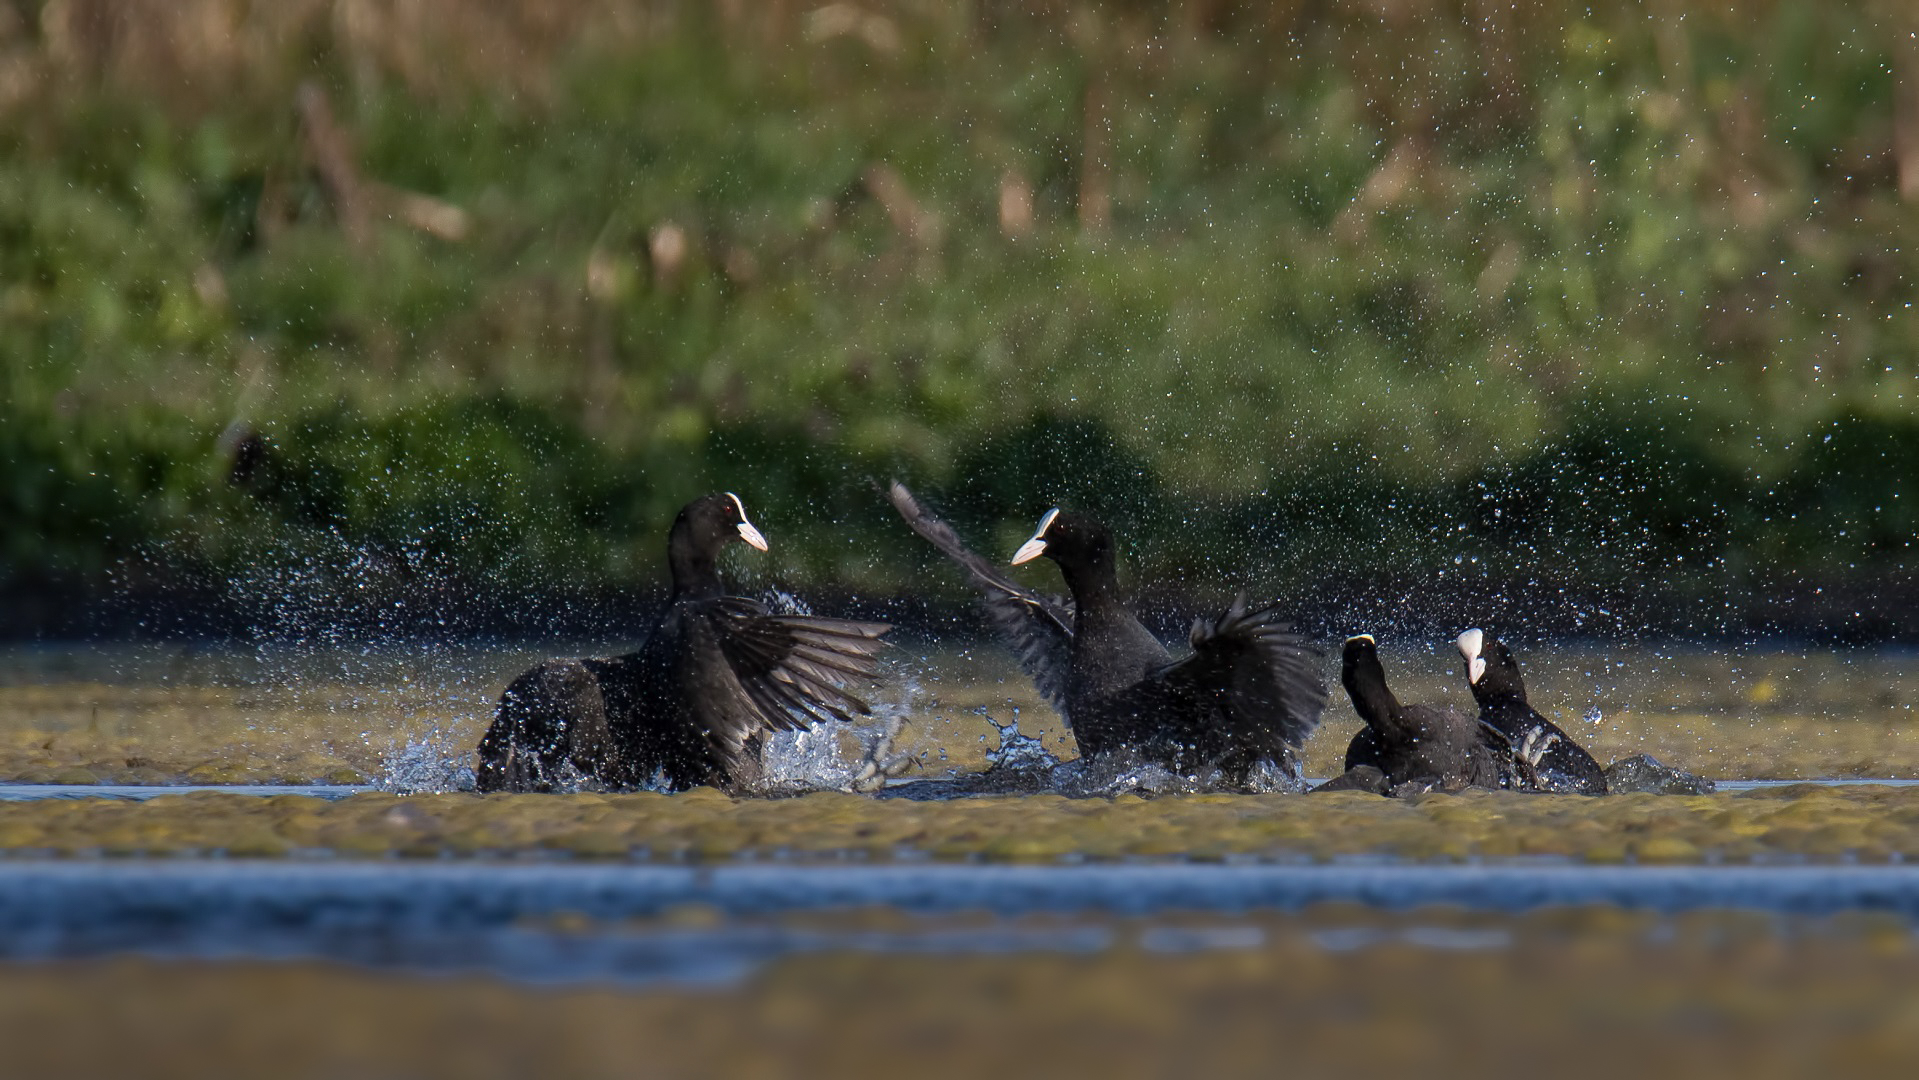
point(1264, 678)
point(787, 672)
point(1039, 629)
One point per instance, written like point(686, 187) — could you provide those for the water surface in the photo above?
point(173, 713)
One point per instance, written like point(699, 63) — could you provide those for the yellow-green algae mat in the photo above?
point(1872, 824)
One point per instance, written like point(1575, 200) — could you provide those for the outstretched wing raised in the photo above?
point(791, 670)
point(1264, 677)
point(1039, 629)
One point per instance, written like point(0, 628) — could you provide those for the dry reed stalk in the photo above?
point(331, 151)
point(1905, 103)
point(914, 222)
point(1015, 204)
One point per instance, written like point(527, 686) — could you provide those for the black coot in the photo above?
point(1249, 693)
point(1427, 746)
point(1546, 758)
point(695, 703)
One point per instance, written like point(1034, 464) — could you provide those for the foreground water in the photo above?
point(648, 924)
point(1331, 991)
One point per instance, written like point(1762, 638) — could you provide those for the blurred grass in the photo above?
point(1613, 297)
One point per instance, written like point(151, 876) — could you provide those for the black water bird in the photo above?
point(1430, 747)
point(1548, 758)
point(1249, 694)
point(694, 705)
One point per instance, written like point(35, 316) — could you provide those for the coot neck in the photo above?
point(1366, 683)
point(1499, 692)
point(696, 571)
point(1094, 584)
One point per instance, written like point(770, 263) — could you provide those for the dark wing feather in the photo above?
point(793, 669)
point(1265, 678)
point(1039, 629)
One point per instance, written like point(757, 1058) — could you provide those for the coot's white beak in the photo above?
point(1034, 548)
point(1367, 638)
point(747, 532)
point(1470, 643)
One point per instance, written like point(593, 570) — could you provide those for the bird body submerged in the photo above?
point(1248, 693)
point(694, 704)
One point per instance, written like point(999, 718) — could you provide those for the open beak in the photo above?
point(1034, 548)
point(747, 532)
point(1470, 643)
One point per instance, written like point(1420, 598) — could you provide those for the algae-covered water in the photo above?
point(406, 717)
point(185, 713)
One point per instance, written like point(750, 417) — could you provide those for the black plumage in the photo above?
point(695, 703)
point(1249, 693)
point(1435, 747)
point(1545, 757)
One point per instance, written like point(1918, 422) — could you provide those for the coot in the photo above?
point(1434, 747)
point(1547, 758)
point(694, 705)
point(1249, 694)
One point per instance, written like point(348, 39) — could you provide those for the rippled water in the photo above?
point(641, 924)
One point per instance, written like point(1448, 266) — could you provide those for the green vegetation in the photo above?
point(1593, 295)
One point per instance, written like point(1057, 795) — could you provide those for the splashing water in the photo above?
point(816, 758)
point(429, 765)
point(785, 603)
point(1022, 764)
point(1018, 752)
point(1123, 774)
point(1267, 778)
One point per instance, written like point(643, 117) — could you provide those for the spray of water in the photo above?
point(431, 764)
point(1021, 764)
point(836, 756)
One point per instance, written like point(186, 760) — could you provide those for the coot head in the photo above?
point(714, 521)
point(1491, 668)
point(705, 526)
point(1358, 648)
point(1074, 541)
